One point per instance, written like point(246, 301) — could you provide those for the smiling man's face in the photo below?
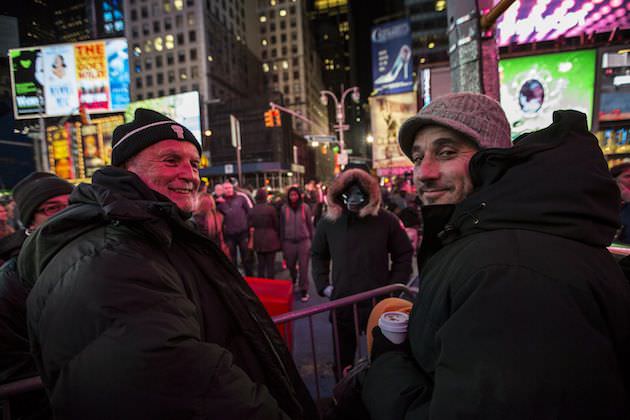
point(170, 167)
point(440, 157)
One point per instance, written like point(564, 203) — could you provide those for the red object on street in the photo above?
point(277, 298)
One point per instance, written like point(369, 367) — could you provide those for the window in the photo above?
point(183, 89)
point(183, 74)
point(283, 25)
point(158, 61)
point(160, 80)
point(181, 56)
point(169, 59)
point(168, 24)
point(135, 33)
point(296, 74)
point(149, 80)
point(138, 83)
point(172, 91)
point(195, 86)
point(145, 29)
point(179, 20)
point(171, 76)
point(134, 15)
point(192, 36)
point(150, 95)
point(140, 97)
point(273, 39)
point(285, 76)
point(283, 38)
point(193, 54)
point(191, 19)
point(157, 43)
point(190, 3)
point(179, 4)
point(169, 42)
point(194, 72)
point(160, 92)
point(180, 39)
point(167, 6)
point(148, 63)
point(144, 12)
point(156, 26)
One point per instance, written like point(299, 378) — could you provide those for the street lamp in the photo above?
point(340, 111)
point(369, 138)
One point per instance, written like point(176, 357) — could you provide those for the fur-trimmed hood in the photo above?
point(367, 182)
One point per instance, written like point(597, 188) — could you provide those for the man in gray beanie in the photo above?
point(522, 312)
point(135, 314)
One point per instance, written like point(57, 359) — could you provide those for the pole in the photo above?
point(238, 165)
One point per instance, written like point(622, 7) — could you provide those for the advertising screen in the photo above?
point(56, 80)
point(183, 108)
point(614, 97)
point(528, 21)
point(388, 113)
point(392, 69)
point(533, 87)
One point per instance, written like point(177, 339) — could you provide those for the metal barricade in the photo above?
point(332, 306)
point(9, 390)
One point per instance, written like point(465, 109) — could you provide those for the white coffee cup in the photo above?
point(394, 326)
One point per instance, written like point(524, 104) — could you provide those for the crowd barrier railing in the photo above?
point(12, 389)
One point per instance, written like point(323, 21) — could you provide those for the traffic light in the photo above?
point(276, 117)
point(269, 118)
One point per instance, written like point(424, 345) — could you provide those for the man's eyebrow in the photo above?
point(439, 142)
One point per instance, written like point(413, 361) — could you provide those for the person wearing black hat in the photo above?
point(38, 197)
point(135, 314)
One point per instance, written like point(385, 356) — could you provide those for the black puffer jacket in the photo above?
point(135, 315)
point(523, 313)
point(360, 245)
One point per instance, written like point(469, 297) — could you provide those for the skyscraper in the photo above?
point(178, 46)
point(290, 60)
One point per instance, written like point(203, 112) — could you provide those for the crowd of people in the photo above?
point(125, 295)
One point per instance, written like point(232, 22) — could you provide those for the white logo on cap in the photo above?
point(178, 130)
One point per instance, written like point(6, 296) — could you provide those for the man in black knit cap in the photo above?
point(134, 314)
point(38, 197)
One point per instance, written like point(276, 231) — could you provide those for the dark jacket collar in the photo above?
point(554, 181)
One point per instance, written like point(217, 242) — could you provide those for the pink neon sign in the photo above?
point(529, 21)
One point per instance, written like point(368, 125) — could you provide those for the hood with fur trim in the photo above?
point(367, 182)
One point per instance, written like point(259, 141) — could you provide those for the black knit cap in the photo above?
point(147, 128)
point(34, 190)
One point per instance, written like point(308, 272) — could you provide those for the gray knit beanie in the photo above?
point(147, 128)
point(474, 115)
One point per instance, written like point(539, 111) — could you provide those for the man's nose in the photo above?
point(188, 172)
point(428, 169)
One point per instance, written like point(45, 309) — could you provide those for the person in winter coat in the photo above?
point(134, 314)
point(208, 219)
point(296, 232)
point(235, 208)
point(523, 312)
point(367, 246)
point(263, 219)
point(5, 227)
point(38, 197)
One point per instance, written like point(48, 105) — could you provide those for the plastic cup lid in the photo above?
point(394, 321)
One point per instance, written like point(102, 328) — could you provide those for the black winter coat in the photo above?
point(264, 219)
point(135, 315)
point(523, 313)
point(359, 245)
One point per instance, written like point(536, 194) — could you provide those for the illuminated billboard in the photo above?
point(388, 113)
point(182, 107)
point(533, 87)
point(57, 80)
point(614, 87)
point(392, 68)
point(528, 21)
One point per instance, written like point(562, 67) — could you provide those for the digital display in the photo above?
point(57, 80)
point(392, 66)
point(614, 97)
point(528, 21)
point(533, 87)
point(183, 108)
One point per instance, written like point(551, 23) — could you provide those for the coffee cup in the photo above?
point(393, 325)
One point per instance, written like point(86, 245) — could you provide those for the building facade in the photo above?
point(190, 45)
point(290, 60)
